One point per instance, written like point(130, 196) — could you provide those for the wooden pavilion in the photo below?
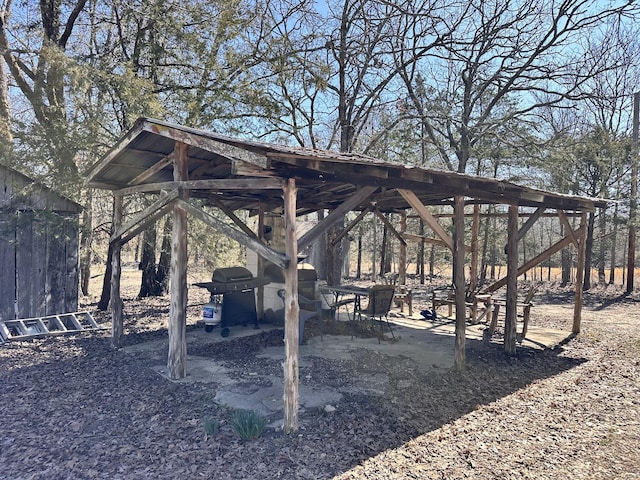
point(177, 164)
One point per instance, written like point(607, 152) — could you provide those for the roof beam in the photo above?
point(149, 172)
point(218, 184)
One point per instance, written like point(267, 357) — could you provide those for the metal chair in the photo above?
point(380, 300)
point(308, 309)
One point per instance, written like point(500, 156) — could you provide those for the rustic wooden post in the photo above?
point(459, 284)
point(260, 265)
point(512, 282)
point(402, 270)
point(291, 309)
point(117, 329)
point(577, 306)
point(177, 359)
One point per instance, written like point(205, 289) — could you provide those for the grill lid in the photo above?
point(231, 275)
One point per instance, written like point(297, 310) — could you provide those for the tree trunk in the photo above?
point(148, 262)
point(85, 245)
point(614, 241)
point(602, 248)
point(633, 197)
point(383, 251)
point(565, 262)
point(6, 136)
point(588, 260)
point(161, 286)
point(105, 296)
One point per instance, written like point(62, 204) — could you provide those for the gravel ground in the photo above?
point(73, 408)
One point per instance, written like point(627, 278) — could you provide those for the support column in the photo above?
point(260, 265)
point(577, 305)
point(117, 329)
point(177, 359)
point(291, 310)
point(512, 282)
point(459, 283)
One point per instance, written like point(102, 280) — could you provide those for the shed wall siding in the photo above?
point(40, 268)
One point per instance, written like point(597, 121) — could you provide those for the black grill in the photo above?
point(236, 285)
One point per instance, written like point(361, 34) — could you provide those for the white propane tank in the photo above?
point(212, 315)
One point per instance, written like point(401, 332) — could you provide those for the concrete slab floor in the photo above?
point(429, 344)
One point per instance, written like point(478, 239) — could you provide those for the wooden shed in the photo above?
point(38, 248)
point(186, 169)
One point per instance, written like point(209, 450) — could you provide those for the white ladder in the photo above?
point(22, 329)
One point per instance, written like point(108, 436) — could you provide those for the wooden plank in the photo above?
point(459, 284)
point(142, 219)
point(218, 147)
point(149, 172)
point(426, 215)
point(577, 306)
point(215, 185)
point(55, 268)
point(72, 277)
point(240, 237)
point(512, 282)
point(7, 264)
point(291, 311)
point(260, 264)
point(32, 266)
point(117, 324)
point(177, 357)
point(144, 224)
point(361, 195)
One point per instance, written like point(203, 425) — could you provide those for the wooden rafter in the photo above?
point(218, 147)
point(214, 185)
point(155, 168)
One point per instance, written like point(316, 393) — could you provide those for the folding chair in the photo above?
point(380, 300)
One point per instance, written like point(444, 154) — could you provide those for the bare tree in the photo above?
point(504, 61)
